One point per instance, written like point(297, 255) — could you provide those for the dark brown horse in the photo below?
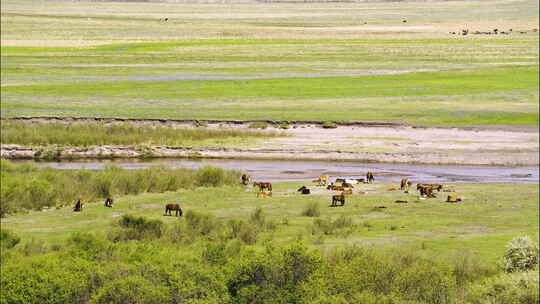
point(369, 177)
point(109, 201)
point(173, 207)
point(262, 186)
point(78, 206)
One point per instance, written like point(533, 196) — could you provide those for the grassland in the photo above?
point(99, 134)
point(488, 218)
point(288, 62)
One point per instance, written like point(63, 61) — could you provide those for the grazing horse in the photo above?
point(304, 190)
point(338, 198)
point(78, 206)
point(322, 180)
point(405, 184)
point(245, 179)
point(173, 207)
point(263, 185)
point(425, 190)
point(109, 201)
point(369, 177)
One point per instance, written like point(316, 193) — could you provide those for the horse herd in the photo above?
point(345, 186)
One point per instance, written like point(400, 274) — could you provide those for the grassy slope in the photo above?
point(487, 219)
point(455, 80)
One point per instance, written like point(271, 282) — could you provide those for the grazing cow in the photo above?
point(78, 206)
point(453, 199)
point(304, 190)
point(347, 192)
point(369, 177)
point(264, 194)
point(173, 207)
point(426, 191)
point(262, 186)
point(245, 179)
point(338, 198)
point(109, 201)
point(405, 184)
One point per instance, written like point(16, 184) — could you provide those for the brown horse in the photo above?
point(369, 177)
point(263, 185)
point(245, 179)
point(109, 201)
point(78, 206)
point(173, 207)
point(405, 184)
point(338, 198)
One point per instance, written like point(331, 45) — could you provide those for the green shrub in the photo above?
point(329, 125)
point(521, 255)
point(508, 288)
point(209, 176)
point(137, 228)
point(312, 210)
point(133, 289)
point(342, 225)
point(200, 224)
point(8, 239)
point(258, 125)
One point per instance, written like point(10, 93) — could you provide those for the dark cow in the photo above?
point(369, 177)
point(245, 179)
point(173, 207)
point(338, 198)
point(78, 206)
point(109, 201)
point(304, 190)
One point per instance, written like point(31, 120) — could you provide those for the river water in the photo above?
point(275, 171)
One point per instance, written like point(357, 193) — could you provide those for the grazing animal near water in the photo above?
point(173, 207)
point(437, 187)
point(262, 186)
point(245, 179)
point(495, 31)
point(339, 180)
point(109, 201)
point(361, 180)
point(338, 198)
point(322, 180)
point(304, 190)
point(78, 206)
point(426, 191)
point(369, 177)
point(464, 32)
point(405, 184)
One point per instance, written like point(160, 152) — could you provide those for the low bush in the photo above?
point(521, 255)
point(136, 228)
point(341, 226)
point(8, 239)
point(508, 288)
point(329, 125)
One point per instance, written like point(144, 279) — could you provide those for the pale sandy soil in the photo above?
point(496, 145)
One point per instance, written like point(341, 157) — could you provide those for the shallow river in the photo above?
point(274, 171)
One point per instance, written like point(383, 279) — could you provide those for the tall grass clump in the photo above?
point(521, 255)
point(30, 187)
point(8, 239)
point(85, 134)
point(312, 210)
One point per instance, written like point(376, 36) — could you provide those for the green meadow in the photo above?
point(288, 63)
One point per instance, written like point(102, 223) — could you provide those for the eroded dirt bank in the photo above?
point(354, 141)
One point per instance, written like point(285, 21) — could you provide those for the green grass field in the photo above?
point(483, 223)
point(288, 63)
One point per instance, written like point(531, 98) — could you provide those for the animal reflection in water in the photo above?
point(173, 207)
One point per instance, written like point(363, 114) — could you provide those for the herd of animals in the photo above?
point(345, 186)
point(466, 32)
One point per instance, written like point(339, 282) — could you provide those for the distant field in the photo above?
point(328, 61)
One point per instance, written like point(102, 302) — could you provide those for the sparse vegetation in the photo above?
point(258, 125)
point(329, 125)
point(312, 210)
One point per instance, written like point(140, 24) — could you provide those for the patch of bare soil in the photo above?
point(367, 142)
